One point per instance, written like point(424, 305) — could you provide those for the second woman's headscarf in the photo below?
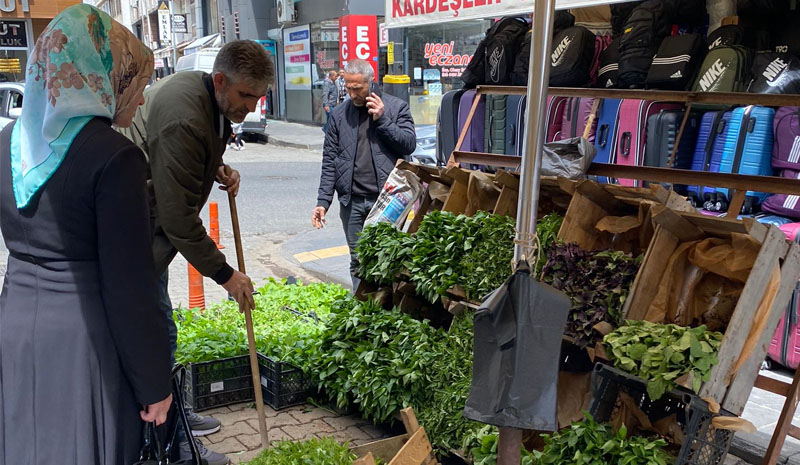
point(84, 65)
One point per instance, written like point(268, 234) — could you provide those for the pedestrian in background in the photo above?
point(367, 134)
point(84, 349)
point(330, 96)
point(341, 87)
point(235, 140)
point(183, 127)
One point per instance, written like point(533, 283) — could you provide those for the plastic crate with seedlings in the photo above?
point(219, 383)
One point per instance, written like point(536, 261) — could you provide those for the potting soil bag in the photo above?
point(518, 332)
point(397, 198)
point(569, 158)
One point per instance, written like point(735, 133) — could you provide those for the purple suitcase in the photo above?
point(474, 142)
point(782, 204)
point(555, 117)
point(786, 151)
point(576, 115)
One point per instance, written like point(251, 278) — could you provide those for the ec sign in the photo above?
point(8, 6)
point(358, 39)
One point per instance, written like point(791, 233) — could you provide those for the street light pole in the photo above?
point(174, 42)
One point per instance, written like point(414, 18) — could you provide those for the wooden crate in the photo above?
point(672, 228)
point(411, 448)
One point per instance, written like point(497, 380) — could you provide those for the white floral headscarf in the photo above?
point(84, 65)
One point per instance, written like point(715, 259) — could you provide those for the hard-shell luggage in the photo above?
point(515, 124)
point(474, 141)
point(676, 64)
point(662, 132)
point(784, 204)
point(774, 220)
point(748, 150)
point(608, 71)
point(495, 131)
point(605, 140)
point(786, 152)
point(575, 118)
point(785, 345)
point(725, 69)
point(631, 133)
point(572, 57)
point(708, 152)
point(555, 116)
point(775, 73)
point(792, 230)
point(447, 125)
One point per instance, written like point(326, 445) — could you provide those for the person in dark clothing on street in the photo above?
point(366, 136)
point(183, 127)
point(83, 346)
point(341, 87)
point(330, 97)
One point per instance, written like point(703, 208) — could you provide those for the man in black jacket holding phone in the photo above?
point(366, 136)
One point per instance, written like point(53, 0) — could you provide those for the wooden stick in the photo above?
point(248, 318)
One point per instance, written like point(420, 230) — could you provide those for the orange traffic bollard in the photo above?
point(213, 224)
point(197, 295)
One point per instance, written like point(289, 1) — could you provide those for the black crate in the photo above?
point(218, 383)
point(282, 383)
point(703, 444)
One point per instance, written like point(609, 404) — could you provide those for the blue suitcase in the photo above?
point(777, 221)
point(708, 152)
point(606, 137)
point(748, 150)
point(447, 125)
point(515, 124)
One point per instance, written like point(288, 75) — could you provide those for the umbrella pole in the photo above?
point(248, 318)
point(510, 439)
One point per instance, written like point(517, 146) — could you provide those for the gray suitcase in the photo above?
point(662, 131)
point(496, 123)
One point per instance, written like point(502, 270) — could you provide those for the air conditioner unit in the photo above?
point(285, 11)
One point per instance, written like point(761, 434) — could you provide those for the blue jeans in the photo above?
point(327, 117)
point(353, 216)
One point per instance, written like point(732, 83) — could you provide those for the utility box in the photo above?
point(397, 85)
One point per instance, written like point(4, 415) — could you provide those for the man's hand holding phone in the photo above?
point(374, 101)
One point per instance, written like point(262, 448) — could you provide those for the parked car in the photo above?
point(255, 123)
point(426, 145)
point(10, 101)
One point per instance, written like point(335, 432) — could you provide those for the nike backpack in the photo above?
point(495, 55)
point(725, 69)
point(676, 64)
point(647, 26)
point(572, 57)
point(775, 73)
point(519, 77)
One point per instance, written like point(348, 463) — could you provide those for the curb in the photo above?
point(294, 145)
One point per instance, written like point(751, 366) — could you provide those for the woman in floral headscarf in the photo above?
point(84, 353)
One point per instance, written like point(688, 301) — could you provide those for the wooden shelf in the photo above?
point(708, 98)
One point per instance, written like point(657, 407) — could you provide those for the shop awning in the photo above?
point(208, 41)
point(404, 13)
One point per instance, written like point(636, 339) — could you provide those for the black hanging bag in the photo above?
point(647, 26)
point(572, 57)
point(677, 62)
point(502, 49)
point(608, 72)
point(732, 34)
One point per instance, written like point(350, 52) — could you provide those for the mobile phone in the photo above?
point(375, 88)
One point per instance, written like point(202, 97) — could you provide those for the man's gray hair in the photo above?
point(245, 60)
point(360, 67)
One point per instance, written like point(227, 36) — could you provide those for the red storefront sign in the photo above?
point(358, 39)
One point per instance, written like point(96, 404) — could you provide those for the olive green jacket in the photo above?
point(183, 135)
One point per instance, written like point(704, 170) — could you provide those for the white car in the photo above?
point(255, 123)
point(10, 101)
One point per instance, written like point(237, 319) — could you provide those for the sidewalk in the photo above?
point(324, 254)
point(295, 135)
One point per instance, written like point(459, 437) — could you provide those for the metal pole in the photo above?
point(510, 439)
point(174, 41)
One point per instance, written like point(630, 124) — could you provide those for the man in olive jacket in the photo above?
point(183, 128)
point(366, 136)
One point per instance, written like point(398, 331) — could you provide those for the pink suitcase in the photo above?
point(633, 115)
point(785, 345)
point(576, 116)
point(555, 117)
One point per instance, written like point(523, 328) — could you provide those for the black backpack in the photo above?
point(608, 72)
point(787, 40)
point(732, 34)
point(775, 73)
point(620, 12)
point(519, 77)
point(571, 58)
point(677, 62)
point(502, 47)
point(647, 26)
point(563, 20)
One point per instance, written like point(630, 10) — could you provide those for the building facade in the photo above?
point(21, 23)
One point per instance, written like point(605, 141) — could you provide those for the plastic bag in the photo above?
point(569, 158)
point(397, 198)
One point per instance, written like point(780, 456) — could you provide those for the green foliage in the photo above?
point(286, 321)
point(310, 452)
point(547, 231)
point(486, 265)
point(383, 252)
point(374, 359)
point(597, 283)
point(482, 447)
point(661, 353)
point(591, 443)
